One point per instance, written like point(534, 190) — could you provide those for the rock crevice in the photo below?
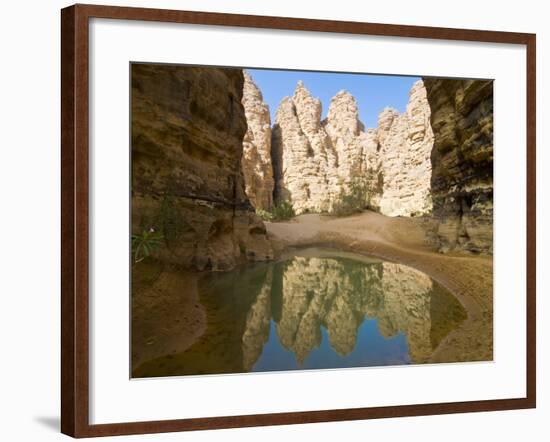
point(256, 160)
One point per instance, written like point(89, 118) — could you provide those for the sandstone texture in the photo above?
point(404, 145)
point(188, 125)
point(316, 161)
point(302, 155)
point(462, 162)
point(256, 161)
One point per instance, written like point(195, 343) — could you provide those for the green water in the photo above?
point(315, 309)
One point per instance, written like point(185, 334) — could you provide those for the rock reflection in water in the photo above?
point(317, 309)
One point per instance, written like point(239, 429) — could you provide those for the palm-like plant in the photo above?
point(144, 243)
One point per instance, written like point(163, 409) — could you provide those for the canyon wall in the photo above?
point(436, 158)
point(405, 144)
point(304, 161)
point(315, 162)
point(256, 161)
point(188, 126)
point(462, 161)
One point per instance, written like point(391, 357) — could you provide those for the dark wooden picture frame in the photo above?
point(75, 219)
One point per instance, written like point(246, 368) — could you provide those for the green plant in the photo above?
point(264, 214)
point(283, 211)
point(279, 212)
point(144, 243)
point(352, 199)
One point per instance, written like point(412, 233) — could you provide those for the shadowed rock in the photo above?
point(188, 124)
point(462, 162)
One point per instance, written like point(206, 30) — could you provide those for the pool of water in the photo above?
point(314, 309)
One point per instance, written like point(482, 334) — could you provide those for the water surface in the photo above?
point(315, 309)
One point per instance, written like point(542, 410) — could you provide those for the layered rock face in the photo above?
point(256, 161)
point(302, 155)
point(462, 162)
point(404, 145)
point(315, 161)
point(188, 125)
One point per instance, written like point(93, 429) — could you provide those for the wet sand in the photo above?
point(404, 240)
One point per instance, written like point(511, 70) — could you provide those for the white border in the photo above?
point(114, 398)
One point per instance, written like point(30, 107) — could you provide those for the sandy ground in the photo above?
point(403, 240)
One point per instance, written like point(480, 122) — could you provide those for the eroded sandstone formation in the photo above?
point(462, 161)
point(316, 161)
point(256, 161)
point(188, 126)
point(301, 155)
point(404, 145)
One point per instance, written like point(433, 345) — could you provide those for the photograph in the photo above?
point(268, 221)
point(296, 220)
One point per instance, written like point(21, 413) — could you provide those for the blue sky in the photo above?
point(372, 92)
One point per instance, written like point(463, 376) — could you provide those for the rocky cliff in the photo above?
point(188, 126)
point(462, 162)
point(404, 145)
point(256, 161)
point(316, 161)
point(302, 155)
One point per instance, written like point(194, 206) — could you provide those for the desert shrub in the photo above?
point(264, 214)
point(352, 199)
point(283, 211)
point(279, 212)
point(144, 243)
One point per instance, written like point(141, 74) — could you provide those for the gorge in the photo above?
point(433, 160)
point(221, 285)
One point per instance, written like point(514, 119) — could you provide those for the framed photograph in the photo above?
point(272, 220)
